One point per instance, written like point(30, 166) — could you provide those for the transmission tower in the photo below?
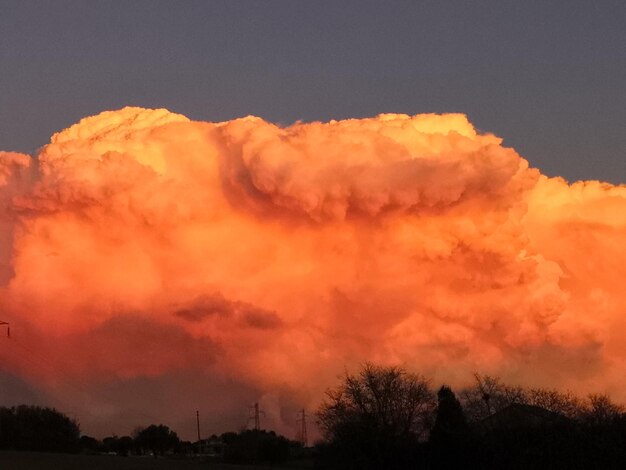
point(255, 414)
point(302, 420)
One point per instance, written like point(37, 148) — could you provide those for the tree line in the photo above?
point(42, 429)
point(386, 418)
point(243, 447)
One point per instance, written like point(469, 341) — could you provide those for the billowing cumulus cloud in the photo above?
point(246, 261)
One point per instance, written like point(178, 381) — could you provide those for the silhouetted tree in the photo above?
point(600, 410)
point(603, 424)
point(374, 420)
point(543, 428)
point(89, 444)
point(125, 445)
point(156, 438)
point(564, 404)
point(39, 429)
point(488, 395)
point(450, 438)
point(449, 419)
point(119, 445)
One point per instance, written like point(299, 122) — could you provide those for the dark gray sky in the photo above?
point(547, 76)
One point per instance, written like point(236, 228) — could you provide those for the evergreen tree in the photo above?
point(450, 437)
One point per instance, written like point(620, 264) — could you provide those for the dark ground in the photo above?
point(10, 460)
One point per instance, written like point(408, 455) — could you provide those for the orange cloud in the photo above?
point(139, 243)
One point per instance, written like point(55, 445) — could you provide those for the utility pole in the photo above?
point(198, 423)
point(302, 421)
point(255, 414)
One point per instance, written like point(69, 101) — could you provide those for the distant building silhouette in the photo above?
point(211, 447)
point(521, 416)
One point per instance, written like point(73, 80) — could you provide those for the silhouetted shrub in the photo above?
point(254, 446)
